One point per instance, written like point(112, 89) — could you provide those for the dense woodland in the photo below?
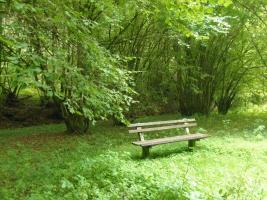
point(75, 73)
point(122, 59)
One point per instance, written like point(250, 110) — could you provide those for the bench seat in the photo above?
point(154, 127)
point(179, 138)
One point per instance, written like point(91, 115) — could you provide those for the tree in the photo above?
point(57, 48)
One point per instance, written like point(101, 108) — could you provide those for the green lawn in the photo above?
point(45, 163)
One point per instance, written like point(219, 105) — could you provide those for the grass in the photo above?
point(43, 162)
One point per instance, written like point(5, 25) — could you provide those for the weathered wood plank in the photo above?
point(162, 123)
point(166, 140)
point(141, 136)
point(162, 128)
point(187, 131)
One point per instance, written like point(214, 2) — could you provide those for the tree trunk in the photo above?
point(75, 123)
point(223, 106)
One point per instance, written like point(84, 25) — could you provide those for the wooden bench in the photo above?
point(141, 128)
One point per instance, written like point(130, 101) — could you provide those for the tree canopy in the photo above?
point(116, 59)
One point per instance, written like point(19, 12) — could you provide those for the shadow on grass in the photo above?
point(156, 153)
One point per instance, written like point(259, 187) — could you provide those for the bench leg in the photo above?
point(145, 152)
point(191, 144)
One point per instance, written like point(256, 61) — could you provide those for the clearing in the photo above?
point(43, 162)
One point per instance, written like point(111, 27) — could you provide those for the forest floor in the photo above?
point(44, 162)
point(28, 113)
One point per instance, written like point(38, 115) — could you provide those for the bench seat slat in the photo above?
point(162, 123)
point(162, 128)
point(166, 140)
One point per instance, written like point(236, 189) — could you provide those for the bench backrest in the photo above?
point(141, 128)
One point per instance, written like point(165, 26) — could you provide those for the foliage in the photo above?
point(90, 56)
point(94, 59)
point(65, 61)
point(153, 40)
